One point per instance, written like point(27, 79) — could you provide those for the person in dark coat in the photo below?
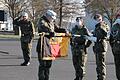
point(27, 35)
point(45, 25)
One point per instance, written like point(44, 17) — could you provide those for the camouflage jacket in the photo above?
point(101, 32)
point(80, 41)
point(115, 37)
point(115, 32)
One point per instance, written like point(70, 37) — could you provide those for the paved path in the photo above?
point(62, 69)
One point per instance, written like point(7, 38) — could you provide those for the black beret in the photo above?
point(78, 18)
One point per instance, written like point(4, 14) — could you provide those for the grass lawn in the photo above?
point(9, 36)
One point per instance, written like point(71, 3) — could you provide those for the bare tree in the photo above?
point(15, 7)
point(109, 8)
point(63, 8)
point(36, 9)
point(73, 8)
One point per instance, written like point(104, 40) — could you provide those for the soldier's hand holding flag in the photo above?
point(91, 38)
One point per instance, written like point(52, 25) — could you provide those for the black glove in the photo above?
point(33, 35)
point(51, 34)
point(88, 44)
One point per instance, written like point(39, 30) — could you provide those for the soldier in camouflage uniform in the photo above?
point(79, 47)
point(27, 34)
point(100, 46)
point(115, 44)
point(45, 24)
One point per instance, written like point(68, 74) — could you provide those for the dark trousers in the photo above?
point(79, 62)
point(44, 69)
point(26, 49)
point(117, 64)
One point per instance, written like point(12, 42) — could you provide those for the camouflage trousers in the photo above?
point(79, 62)
point(101, 66)
point(26, 49)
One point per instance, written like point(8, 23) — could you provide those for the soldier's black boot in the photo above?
point(78, 78)
point(25, 64)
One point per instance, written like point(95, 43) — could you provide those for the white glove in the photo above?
point(91, 38)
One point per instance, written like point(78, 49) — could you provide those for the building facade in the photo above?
point(5, 20)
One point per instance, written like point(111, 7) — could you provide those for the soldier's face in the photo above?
point(24, 17)
point(99, 19)
point(79, 23)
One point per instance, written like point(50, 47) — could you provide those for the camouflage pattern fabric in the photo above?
point(100, 48)
point(79, 51)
